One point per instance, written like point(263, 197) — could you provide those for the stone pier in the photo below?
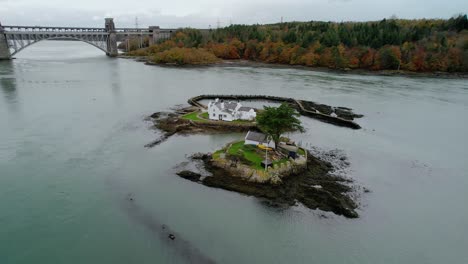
point(5, 53)
point(154, 37)
point(112, 39)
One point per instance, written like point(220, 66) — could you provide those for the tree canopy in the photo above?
point(274, 121)
point(389, 44)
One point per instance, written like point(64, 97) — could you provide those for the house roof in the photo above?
point(255, 136)
point(245, 108)
point(230, 106)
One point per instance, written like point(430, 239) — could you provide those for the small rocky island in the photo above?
point(264, 164)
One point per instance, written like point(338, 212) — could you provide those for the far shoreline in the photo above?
point(257, 64)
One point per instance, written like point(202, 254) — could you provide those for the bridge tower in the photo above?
point(155, 34)
point(5, 53)
point(112, 38)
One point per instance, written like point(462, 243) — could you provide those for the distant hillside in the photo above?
point(425, 45)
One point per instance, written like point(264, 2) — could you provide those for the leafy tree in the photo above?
point(274, 121)
point(389, 58)
point(331, 38)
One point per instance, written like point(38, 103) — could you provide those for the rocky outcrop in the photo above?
point(189, 175)
point(271, 175)
point(314, 186)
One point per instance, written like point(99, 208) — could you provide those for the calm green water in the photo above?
point(72, 132)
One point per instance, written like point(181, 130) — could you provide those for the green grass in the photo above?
point(301, 152)
point(205, 115)
point(218, 153)
point(248, 152)
point(193, 116)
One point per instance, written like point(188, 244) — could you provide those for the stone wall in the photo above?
point(271, 175)
point(297, 103)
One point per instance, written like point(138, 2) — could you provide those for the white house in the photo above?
point(229, 111)
point(256, 138)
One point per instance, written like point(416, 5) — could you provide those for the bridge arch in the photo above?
point(19, 40)
point(22, 47)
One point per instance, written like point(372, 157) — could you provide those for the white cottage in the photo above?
point(256, 138)
point(229, 111)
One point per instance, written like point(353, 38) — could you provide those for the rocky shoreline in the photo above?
point(256, 64)
point(314, 187)
point(171, 123)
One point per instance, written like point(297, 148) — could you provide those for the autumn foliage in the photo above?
point(394, 44)
point(182, 56)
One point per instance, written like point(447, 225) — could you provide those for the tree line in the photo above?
point(394, 44)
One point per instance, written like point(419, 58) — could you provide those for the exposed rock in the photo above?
point(342, 112)
point(189, 175)
point(200, 156)
point(302, 187)
point(156, 115)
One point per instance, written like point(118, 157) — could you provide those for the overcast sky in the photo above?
point(202, 13)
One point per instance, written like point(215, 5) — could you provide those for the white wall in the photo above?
point(213, 109)
point(214, 112)
point(250, 142)
point(247, 115)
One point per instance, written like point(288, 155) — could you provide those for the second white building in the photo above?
point(230, 111)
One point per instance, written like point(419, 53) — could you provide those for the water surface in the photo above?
point(71, 153)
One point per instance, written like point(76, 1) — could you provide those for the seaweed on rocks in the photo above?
point(316, 187)
point(342, 112)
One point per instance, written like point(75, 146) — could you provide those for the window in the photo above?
point(225, 115)
point(214, 114)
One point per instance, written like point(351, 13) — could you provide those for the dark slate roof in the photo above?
point(228, 106)
point(245, 108)
point(256, 136)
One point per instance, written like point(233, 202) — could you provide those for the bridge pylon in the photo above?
point(5, 53)
point(112, 38)
point(154, 37)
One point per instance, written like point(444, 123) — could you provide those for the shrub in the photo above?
point(181, 56)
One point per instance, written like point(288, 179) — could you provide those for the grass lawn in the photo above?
point(205, 115)
point(251, 153)
point(248, 151)
point(193, 116)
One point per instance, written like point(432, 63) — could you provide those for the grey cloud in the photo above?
point(200, 14)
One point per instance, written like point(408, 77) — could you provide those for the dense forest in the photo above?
point(425, 45)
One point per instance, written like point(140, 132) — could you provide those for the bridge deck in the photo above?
point(42, 29)
point(14, 38)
